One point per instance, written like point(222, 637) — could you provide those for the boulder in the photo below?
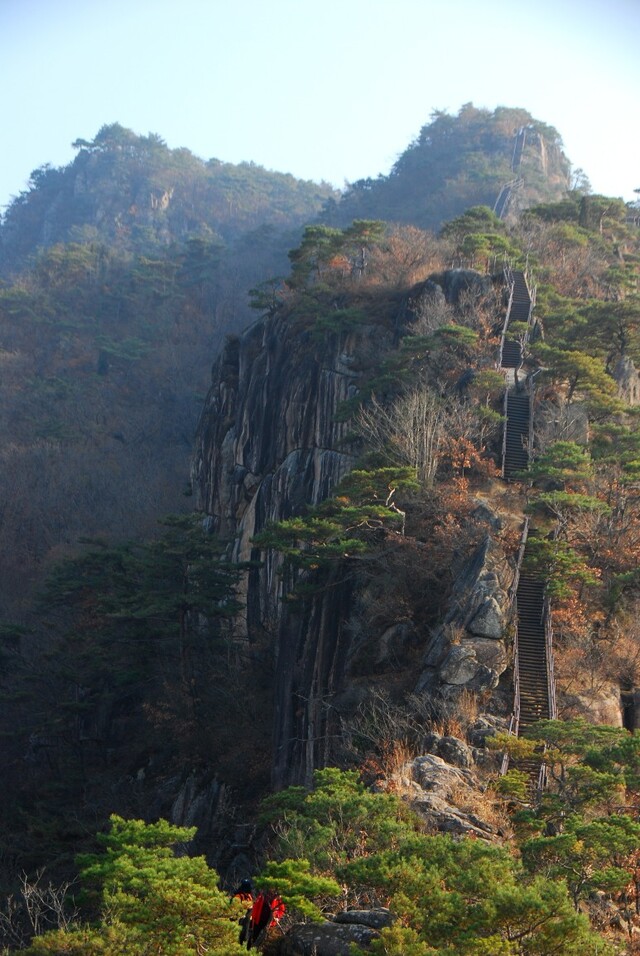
point(601, 706)
point(455, 752)
point(628, 381)
point(451, 749)
point(436, 791)
point(447, 818)
point(326, 939)
point(488, 620)
point(432, 773)
point(491, 653)
point(486, 725)
point(377, 918)
point(460, 666)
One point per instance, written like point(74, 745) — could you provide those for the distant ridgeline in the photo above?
point(461, 161)
point(135, 192)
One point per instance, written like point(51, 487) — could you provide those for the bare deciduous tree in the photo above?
point(410, 431)
point(38, 907)
point(431, 311)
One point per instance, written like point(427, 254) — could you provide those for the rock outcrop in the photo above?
point(470, 649)
point(270, 443)
point(440, 792)
point(445, 789)
point(337, 936)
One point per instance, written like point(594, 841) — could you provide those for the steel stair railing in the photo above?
point(533, 682)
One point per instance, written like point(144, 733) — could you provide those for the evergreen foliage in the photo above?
point(135, 633)
point(450, 896)
point(457, 162)
point(135, 193)
point(560, 565)
point(563, 462)
point(345, 525)
point(105, 340)
point(150, 899)
point(580, 830)
point(447, 896)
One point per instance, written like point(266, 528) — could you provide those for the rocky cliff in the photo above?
point(270, 443)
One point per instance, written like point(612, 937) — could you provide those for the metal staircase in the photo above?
point(534, 689)
point(519, 310)
point(504, 197)
point(521, 300)
point(511, 354)
point(515, 453)
point(535, 695)
point(517, 409)
point(533, 676)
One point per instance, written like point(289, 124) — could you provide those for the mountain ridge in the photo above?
point(377, 589)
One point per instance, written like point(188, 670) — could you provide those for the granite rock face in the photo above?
point(269, 443)
point(470, 650)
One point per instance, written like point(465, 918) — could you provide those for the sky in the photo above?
point(330, 90)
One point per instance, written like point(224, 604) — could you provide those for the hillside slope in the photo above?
point(380, 577)
point(135, 194)
point(460, 161)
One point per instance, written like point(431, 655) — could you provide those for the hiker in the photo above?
point(267, 910)
point(244, 893)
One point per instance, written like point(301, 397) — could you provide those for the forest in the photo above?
point(234, 612)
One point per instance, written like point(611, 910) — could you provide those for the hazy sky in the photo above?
point(331, 89)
